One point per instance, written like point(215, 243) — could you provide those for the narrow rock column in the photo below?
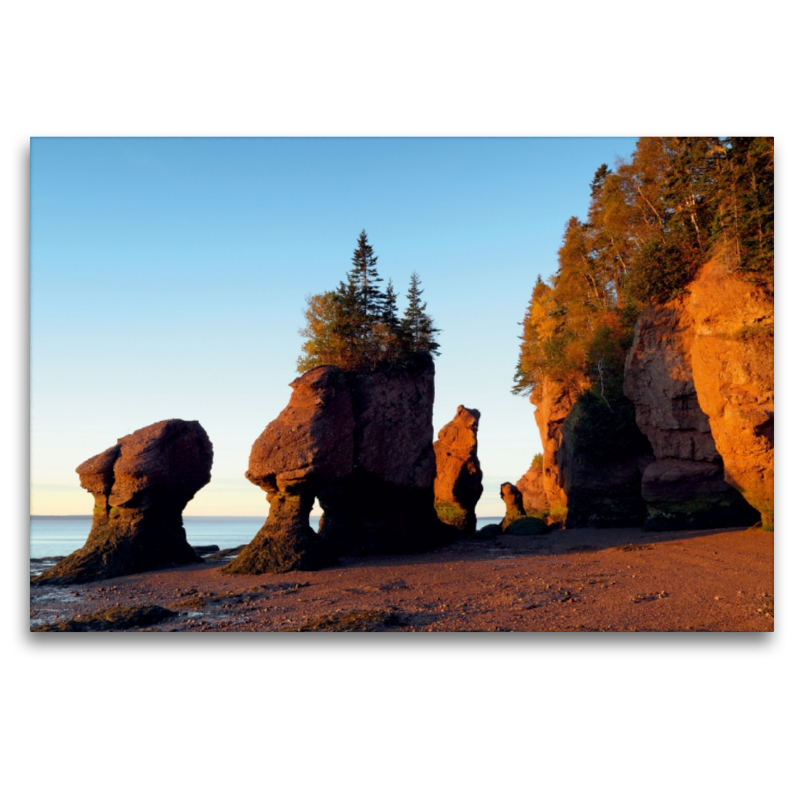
point(458, 485)
point(515, 509)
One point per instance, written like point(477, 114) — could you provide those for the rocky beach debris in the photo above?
point(458, 485)
point(574, 579)
point(140, 486)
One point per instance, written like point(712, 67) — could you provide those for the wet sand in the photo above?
point(574, 580)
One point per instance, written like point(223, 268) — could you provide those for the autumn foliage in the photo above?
point(652, 223)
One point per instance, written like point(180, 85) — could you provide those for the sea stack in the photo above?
point(140, 486)
point(361, 442)
point(531, 485)
point(458, 485)
point(308, 446)
point(515, 508)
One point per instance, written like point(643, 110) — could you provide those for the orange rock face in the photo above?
point(531, 485)
point(685, 486)
point(556, 401)
point(733, 365)
point(458, 485)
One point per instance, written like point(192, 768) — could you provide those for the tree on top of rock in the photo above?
point(357, 326)
point(365, 279)
point(419, 333)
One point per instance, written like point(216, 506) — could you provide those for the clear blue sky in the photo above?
point(169, 277)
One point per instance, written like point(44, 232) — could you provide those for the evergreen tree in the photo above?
point(357, 327)
point(389, 308)
point(744, 225)
point(419, 334)
point(390, 329)
point(365, 278)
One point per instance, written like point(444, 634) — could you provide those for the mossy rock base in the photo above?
point(118, 618)
point(527, 526)
point(623, 511)
point(277, 551)
point(124, 544)
point(696, 515)
point(459, 519)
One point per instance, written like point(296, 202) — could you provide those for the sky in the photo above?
point(169, 278)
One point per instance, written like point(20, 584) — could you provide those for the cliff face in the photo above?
point(733, 365)
point(700, 375)
point(140, 486)
point(686, 485)
point(363, 444)
point(592, 461)
point(601, 458)
point(458, 485)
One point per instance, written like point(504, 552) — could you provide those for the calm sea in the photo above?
point(60, 536)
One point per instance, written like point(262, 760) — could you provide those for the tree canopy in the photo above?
point(358, 327)
point(652, 222)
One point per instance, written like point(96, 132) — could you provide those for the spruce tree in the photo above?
point(357, 327)
point(364, 277)
point(389, 309)
point(418, 330)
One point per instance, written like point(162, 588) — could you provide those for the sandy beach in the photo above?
point(573, 580)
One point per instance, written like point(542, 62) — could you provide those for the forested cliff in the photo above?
point(648, 355)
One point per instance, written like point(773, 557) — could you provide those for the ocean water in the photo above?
point(60, 536)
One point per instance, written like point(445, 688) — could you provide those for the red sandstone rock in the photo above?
point(531, 486)
point(140, 486)
point(309, 445)
point(553, 404)
point(515, 509)
point(362, 443)
point(733, 366)
point(684, 487)
point(458, 485)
